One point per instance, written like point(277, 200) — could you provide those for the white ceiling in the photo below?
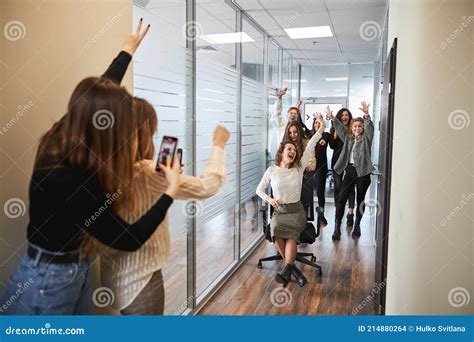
point(345, 17)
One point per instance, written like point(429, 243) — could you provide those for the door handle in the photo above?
point(377, 173)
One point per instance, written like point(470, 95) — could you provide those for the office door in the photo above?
point(384, 176)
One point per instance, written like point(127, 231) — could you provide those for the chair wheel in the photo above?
point(259, 265)
point(313, 259)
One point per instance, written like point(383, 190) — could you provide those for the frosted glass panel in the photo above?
point(216, 103)
point(161, 75)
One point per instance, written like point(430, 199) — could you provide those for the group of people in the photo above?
point(95, 189)
point(301, 161)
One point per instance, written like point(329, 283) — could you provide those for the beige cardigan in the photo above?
point(127, 273)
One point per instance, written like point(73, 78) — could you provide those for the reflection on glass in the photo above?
point(165, 85)
point(253, 139)
point(216, 90)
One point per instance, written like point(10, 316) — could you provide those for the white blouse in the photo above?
point(127, 273)
point(287, 183)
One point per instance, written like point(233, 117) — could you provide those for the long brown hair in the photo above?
point(279, 155)
point(147, 124)
point(299, 144)
point(353, 121)
point(97, 133)
point(339, 116)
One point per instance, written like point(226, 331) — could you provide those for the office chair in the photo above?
point(309, 235)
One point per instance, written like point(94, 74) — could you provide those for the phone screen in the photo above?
point(167, 151)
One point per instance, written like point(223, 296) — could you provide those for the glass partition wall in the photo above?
point(206, 64)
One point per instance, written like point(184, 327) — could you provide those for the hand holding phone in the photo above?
point(167, 152)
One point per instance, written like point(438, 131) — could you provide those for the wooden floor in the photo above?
point(214, 252)
point(344, 289)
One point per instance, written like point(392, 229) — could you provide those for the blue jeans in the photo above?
point(39, 288)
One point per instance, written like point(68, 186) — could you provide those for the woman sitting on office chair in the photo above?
point(289, 217)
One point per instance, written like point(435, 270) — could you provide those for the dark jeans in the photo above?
point(337, 186)
point(349, 181)
point(320, 180)
point(40, 288)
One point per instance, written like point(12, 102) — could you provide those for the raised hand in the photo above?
point(298, 104)
point(221, 135)
point(133, 40)
point(364, 107)
point(329, 114)
point(282, 92)
point(322, 123)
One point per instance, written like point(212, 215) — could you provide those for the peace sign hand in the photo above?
point(133, 40)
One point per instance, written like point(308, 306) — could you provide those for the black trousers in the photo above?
point(349, 182)
point(307, 194)
point(337, 187)
point(320, 182)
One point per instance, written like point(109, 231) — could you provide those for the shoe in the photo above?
point(350, 220)
point(337, 232)
point(300, 278)
point(356, 232)
point(283, 277)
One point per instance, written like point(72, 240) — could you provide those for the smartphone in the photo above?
point(167, 151)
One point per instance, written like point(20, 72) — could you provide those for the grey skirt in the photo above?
point(288, 221)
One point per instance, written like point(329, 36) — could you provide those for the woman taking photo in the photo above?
point(355, 163)
point(80, 176)
point(344, 115)
point(289, 217)
point(136, 278)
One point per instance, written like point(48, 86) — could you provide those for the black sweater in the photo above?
point(320, 151)
point(64, 201)
point(336, 145)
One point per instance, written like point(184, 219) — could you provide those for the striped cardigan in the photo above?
point(127, 273)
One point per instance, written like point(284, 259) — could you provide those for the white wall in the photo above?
point(432, 161)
